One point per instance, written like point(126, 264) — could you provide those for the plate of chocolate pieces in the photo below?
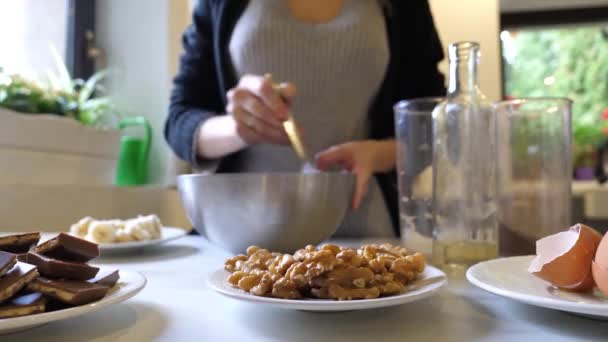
point(53, 280)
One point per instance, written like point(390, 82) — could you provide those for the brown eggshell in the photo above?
point(600, 275)
point(587, 284)
point(594, 238)
point(564, 259)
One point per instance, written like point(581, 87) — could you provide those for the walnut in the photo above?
point(286, 289)
point(330, 272)
point(234, 263)
point(264, 286)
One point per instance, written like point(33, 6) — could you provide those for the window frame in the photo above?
point(80, 38)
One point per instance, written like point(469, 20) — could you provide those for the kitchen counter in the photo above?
point(177, 305)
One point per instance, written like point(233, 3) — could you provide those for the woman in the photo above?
point(350, 60)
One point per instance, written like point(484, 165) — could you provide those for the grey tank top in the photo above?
point(337, 67)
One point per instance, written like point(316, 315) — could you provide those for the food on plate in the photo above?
point(53, 268)
point(16, 279)
point(7, 261)
point(328, 272)
point(52, 275)
point(570, 260)
point(68, 248)
point(103, 231)
point(19, 243)
point(106, 278)
point(69, 291)
point(140, 228)
point(28, 304)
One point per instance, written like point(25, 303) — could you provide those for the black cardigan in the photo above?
point(206, 74)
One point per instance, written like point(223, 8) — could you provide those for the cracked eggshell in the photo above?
point(564, 259)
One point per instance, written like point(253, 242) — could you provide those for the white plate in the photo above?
point(129, 284)
point(429, 282)
point(509, 277)
point(168, 234)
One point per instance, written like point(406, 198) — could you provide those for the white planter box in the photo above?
point(53, 150)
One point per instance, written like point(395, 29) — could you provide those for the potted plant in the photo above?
point(588, 133)
point(58, 131)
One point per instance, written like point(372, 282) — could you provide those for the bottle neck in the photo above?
point(463, 76)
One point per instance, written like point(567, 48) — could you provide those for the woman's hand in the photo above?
point(259, 110)
point(363, 158)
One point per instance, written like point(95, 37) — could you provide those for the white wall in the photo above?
point(476, 20)
point(141, 41)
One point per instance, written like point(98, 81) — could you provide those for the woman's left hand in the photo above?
point(363, 158)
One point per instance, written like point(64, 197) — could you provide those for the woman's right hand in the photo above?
point(259, 110)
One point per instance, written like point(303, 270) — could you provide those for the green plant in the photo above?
point(565, 62)
point(59, 94)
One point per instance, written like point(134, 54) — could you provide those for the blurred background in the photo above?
point(530, 48)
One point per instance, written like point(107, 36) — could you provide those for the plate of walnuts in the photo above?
point(328, 278)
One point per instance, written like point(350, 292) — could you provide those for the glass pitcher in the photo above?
point(414, 133)
point(535, 171)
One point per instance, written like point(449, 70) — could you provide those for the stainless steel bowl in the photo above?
point(279, 211)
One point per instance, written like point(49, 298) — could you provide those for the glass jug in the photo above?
point(535, 171)
point(414, 133)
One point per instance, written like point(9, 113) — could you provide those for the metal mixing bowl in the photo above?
point(279, 211)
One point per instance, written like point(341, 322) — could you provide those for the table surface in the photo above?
point(177, 305)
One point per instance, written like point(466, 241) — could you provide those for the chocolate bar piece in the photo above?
point(106, 278)
point(16, 279)
point(23, 305)
point(19, 243)
point(55, 305)
point(71, 292)
point(53, 268)
point(7, 261)
point(68, 248)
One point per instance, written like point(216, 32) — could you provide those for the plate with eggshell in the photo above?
point(126, 236)
point(568, 273)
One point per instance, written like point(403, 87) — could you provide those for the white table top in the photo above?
point(177, 305)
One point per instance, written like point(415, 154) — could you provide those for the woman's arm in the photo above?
point(196, 126)
point(196, 96)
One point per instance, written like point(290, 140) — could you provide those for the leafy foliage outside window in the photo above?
point(564, 62)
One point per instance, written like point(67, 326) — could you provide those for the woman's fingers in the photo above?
point(262, 87)
point(242, 98)
point(288, 92)
point(356, 157)
point(361, 187)
point(256, 131)
point(259, 109)
point(338, 155)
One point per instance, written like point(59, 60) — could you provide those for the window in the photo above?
point(28, 29)
point(562, 53)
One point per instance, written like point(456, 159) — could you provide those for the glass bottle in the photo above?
point(465, 225)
